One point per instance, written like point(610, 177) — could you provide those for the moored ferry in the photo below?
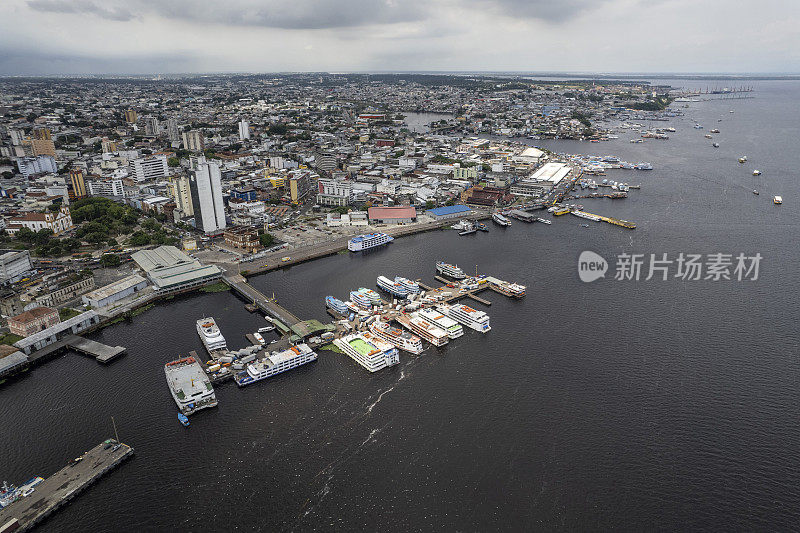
point(274, 364)
point(472, 318)
point(368, 350)
point(189, 385)
point(392, 287)
point(336, 305)
point(451, 271)
point(501, 220)
point(368, 240)
point(401, 338)
point(514, 290)
point(427, 331)
point(411, 286)
point(365, 298)
point(210, 334)
point(434, 317)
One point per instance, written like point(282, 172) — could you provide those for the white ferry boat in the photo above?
point(451, 271)
point(433, 334)
point(412, 286)
point(401, 338)
point(368, 350)
point(368, 240)
point(365, 298)
point(336, 305)
point(210, 334)
point(275, 364)
point(392, 287)
point(587, 216)
point(434, 317)
point(472, 318)
point(189, 385)
point(501, 220)
point(514, 290)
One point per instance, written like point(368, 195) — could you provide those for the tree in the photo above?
point(174, 162)
point(266, 239)
point(26, 235)
point(110, 260)
point(430, 204)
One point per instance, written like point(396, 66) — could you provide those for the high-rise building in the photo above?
point(36, 165)
point(206, 187)
point(300, 185)
point(43, 147)
point(108, 146)
point(130, 116)
point(149, 168)
point(17, 136)
point(181, 193)
point(151, 126)
point(244, 130)
point(193, 141)
point(172, 130)
point(43, 134)
point(108, 187)
point(77, 184)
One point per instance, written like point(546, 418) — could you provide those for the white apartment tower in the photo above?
point(244, 130)
point(149, 168)
point(206, 187)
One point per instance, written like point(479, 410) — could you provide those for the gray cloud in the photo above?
point(547, 10)
point(289, 14)
point(106, 10)
point(23, 61)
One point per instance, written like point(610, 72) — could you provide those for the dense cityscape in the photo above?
point(244, 294)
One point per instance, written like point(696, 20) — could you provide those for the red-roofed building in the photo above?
point(392, 215)
point(29, 322)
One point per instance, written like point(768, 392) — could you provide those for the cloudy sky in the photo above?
point(163, 36)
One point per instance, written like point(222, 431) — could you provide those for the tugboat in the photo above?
point(481, 227)
point(183, 419)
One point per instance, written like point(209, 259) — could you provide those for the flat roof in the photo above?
point(113, 288)
point(448, 210)
point(392, 212)
point(552, 172)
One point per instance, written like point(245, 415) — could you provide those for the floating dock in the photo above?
point(64, 485)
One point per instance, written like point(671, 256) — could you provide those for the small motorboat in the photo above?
point(755, 191)
point(183, 419)
point(756, 173)
point(715, 145)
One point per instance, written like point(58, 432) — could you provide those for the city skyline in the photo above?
point(146, 37)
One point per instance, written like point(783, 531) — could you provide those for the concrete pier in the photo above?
point(101, 352)
point(65, 484)
point(256, 297)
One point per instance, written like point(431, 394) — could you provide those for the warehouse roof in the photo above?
point(382, 213)
point(448, 210)
point(113, 288)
